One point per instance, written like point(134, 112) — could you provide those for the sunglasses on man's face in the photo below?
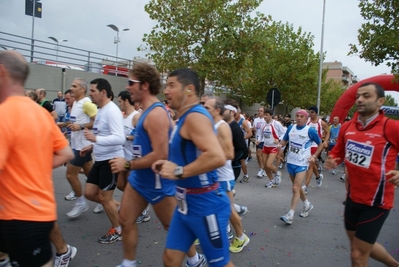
point(131, 82)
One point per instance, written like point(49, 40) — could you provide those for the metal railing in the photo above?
point(50, 53)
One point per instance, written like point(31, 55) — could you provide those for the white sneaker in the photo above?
point(260, 173)
point(277, 178)
point(243, 211)
point(286, 218)
point(305, 188)
point(306, 210)
point(99, 208)
point(70, 196)
point(64, 259)
point(77, 210)
point(263, 173)
point(270, 184)
point(320, 180)
point(342, 178)
point(280, 166)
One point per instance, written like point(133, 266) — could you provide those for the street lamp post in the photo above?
point(56, 53)
point(321, 57)
point(116, 41)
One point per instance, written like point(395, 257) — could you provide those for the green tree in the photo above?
point(331, 91)
point(240, 54)
point(189, 33)
point(272, 55)
point(390, 101)
point(378, 36)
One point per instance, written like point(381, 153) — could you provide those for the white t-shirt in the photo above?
point(259, 123)
point(110, 136)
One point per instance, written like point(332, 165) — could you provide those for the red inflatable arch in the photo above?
point(348, 98)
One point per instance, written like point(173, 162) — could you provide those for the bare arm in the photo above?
point(247, 130)
point(157, 126)
point(327, 131)
point(62, 156)
point(226, 140)
point(54, 115)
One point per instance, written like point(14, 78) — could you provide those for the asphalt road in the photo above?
point(318, 240)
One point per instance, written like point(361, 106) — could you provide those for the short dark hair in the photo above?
point(68, 91)
point(103, 84)
point(231, 102)
point(288, 115)
point(268, 111)
point(187, 76)
point(378, 89)
point(125, 95)
point(147, 73)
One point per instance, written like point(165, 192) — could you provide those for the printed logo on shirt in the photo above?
point(359, 154)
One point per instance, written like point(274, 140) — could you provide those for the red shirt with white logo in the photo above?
point(369, 152)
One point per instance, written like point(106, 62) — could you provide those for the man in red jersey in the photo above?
point(368, 144)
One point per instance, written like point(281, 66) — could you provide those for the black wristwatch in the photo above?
point(82, 127)
point(178, 172)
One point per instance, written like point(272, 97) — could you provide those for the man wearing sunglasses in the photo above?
point(150, 144)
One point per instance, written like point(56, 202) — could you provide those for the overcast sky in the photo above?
point(83, 24)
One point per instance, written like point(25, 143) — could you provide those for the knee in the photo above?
point(169, 260)
point(296, 189)
point(357, 256)
point(269, 165)
point(90, 195)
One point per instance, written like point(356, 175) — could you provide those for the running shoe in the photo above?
point(305, 188)
point(64, 259)
point(319, 180)
point(286, 218)
point(334, 172)
point(70, 196)
point(342, 178)
point(77, 210)
point(243, 211)
point(6, 263)
point(238, 245)
point(277, 178)
point(260, 173)
point(270, 184)
point(201, 261)
point(281, 165)
point(144, 217)
point(319, 169)
point(110, 237)
point(306, 210)
point(263, 173)
point(99, 208)
point(245, 179)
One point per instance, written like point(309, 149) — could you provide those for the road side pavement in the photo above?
point(318, 240)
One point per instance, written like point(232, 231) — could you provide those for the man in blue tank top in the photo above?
point(194, 155)
point(149, 145)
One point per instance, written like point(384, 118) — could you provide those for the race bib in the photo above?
point(359, 154)
point(72, 119)
point(95, 130)
point(267, 135)
point(295, 148)
point(181, 200)
point(137, 151)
